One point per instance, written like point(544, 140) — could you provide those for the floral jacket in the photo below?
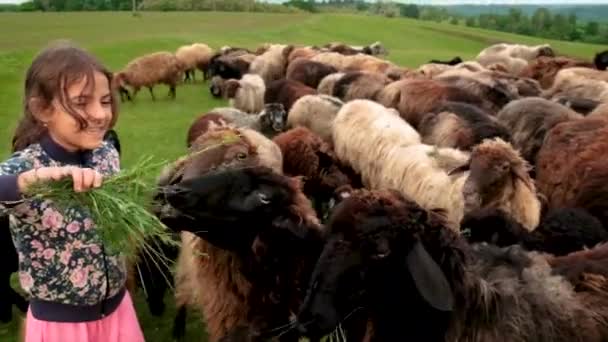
point(61, 257)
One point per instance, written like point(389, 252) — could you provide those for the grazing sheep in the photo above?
point(560, 232)
point(272, 64)
point(579, 105)
point(359, 85)
point(529, 120)
point(326, 86)
point(270, 121)
point(374, 49)
point(306, 52)
point(231, 64)
point(396, 262)
point(148, 71)
point(601, 60)
point(525, 52)
point(334, 59)
point(246, 94)
point(583, 267)
point(308, 72)
point(511, 65)
point(453, 61)
point(461, 126)
point(543, 69)
point(579, 82)
point(315, 112)
point(414, 98)
point(259, 241)
point(286, 92)
point(306, 154)
point(432, 70)
point(195, 56)
point(569, 169)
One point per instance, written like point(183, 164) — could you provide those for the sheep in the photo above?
point(306, 154)
point(580, 82)
point(308, 72)
point(272, 64)
point(245, 94)
point(270, 121)
point(461, 126)
point(512, 65)
point(543, 69)
point(315, 112)
point(286, 92)
point(359, 85)
point(148, 71)
point(414, 98)
point(366, 135)
point(529, 120)
point(231, 64)
point(374, 49)
point(259, 229)
point(306, 52)
point(454, 61)
point(600, 111)
point(432, 70)
point(326, 86)
point(333, 59)
point(560, 232)
point(373, 65)
point(390, 258)
point(579, 105)
point(583, 267)
point(525, 52)
point(601, 60)
point(569, 169)
point(194, 56)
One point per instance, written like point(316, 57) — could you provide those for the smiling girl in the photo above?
point(77, 288)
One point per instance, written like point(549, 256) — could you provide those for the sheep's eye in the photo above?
point(241, 156)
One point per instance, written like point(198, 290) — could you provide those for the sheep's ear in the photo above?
point(522, 174)
point(459, 169)
point(429, 279)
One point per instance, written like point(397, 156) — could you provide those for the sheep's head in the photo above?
point(601, 60)
point(545, 50)
point(230, 87)
point(230, 207)
point(378, 49)
point(216, 86)
point(274, 116)
point(374, 260)
point(494, 167)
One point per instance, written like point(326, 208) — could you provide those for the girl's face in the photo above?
point(93, 103)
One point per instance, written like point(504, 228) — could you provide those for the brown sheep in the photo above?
point(529, 120)
point(272, 64)
point(205, 123)
point(286, 92)
point(306, 154)
point(308, 72)
point(460, 126)
point(570, 171)
point(306, 52)
point(414, 98)
point(195, 56)
point(326, 86)
point(252, 277)
point(577, 82)
point(359, 85)
point(543, 69)
point(148, 71)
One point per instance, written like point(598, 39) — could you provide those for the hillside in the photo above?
point(597, 13)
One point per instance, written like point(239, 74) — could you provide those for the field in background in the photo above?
point(159, 128)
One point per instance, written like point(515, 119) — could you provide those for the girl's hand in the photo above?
point(84, 178)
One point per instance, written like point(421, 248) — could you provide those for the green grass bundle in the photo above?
point(120, 208)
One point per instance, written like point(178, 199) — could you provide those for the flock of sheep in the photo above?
point(460, 200)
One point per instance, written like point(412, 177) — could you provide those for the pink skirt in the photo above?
point(120, 326)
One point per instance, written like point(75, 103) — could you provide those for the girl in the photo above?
point(77, 289)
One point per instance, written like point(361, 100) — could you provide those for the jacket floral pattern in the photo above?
point(61, 257)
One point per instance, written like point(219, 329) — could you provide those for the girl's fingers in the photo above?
point(78, 178)
point(98, 179)
point(88, 178)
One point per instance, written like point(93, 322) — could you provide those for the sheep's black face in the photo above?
point(231, 206)
point(374, 263)
point(601, 60)
point(491, 225)
point(546, 51)
point(274, 115)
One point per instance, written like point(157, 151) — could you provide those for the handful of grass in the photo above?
point(120, 208)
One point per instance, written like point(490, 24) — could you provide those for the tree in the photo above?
point(454, 21)
point(470, 21)
point(592, 28)
point(410, 11)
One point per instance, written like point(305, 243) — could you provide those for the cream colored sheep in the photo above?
point(326, 86)
point(246, 94)
point(194, 56)
point(315, 112)
point(272, 64)
point(579, 82)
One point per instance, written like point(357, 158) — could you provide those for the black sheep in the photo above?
point(561, 231)
point(454, 61)
point(601, 60)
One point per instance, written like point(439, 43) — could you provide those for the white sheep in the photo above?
point(315, 112)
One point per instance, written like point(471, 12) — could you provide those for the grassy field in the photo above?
point(159, 128)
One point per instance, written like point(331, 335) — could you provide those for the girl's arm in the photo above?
point(9, 174)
